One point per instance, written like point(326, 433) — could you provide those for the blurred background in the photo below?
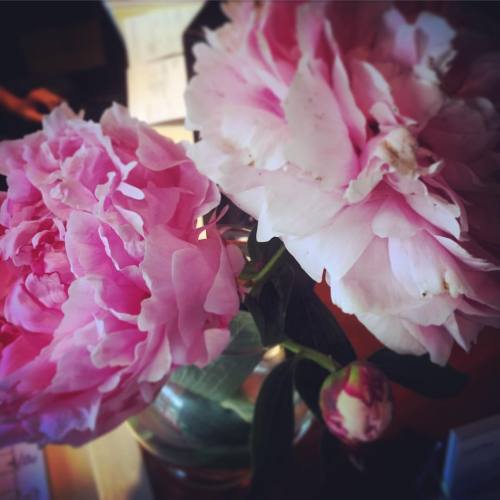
point(90, 54)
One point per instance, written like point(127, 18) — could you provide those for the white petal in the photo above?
point(336, 247)
point(392, 220)
point(392, 332)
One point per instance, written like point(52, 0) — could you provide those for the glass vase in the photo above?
point(203, 442)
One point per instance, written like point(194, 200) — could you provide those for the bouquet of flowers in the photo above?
point(362, 146)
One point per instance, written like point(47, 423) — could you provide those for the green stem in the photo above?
point(264, 272)
point(306, 352)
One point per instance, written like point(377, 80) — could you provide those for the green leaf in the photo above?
point(241, 405)
point(420, 374)
point(308, 377)
point(309, 322)
point(272, 429)
point(206, 423)
point(244, 336)
point(221, 379)
point(268, 253)
point(285, 305)
point(269, 306)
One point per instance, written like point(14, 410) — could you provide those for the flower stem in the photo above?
point(321, 359)
point(264, 272)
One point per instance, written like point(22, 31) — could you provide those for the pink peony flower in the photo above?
point(106, 284)
point(328, 123)
point(356, 403)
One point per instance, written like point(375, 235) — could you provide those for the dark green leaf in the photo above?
point(338, 474)
point(241, 405)
point(285, 305)
point(310, 323)
point(308, 378)
point(245, 338)
point(222, 378)
point(206, 423)
point(261, 252)
point(250, 269)
point(269, 306)
point(272, 430)
point(420, 374)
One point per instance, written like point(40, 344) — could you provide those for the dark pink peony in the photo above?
point(328, 122)
point(106, 283)
point(356, 403)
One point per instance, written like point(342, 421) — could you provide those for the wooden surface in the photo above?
point(70, 473)
point(108, 468)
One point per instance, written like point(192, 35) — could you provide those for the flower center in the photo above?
point(399, 150)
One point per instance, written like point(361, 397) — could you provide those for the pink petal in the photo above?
point(24, 310)
point(221, 297)
point(436, 340)
point(216, 340)
point(320, 143)
point(190, 294)
point(392, 331)
point(423, 268)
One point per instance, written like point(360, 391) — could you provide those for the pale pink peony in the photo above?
point(107, 285)
point(328, 123)
point(356, 403)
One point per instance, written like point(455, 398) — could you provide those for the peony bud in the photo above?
point(356, 403)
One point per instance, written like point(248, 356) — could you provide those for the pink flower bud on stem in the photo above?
point(356, 403)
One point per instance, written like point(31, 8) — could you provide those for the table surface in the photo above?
point(114, 467)
point(96, 471)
